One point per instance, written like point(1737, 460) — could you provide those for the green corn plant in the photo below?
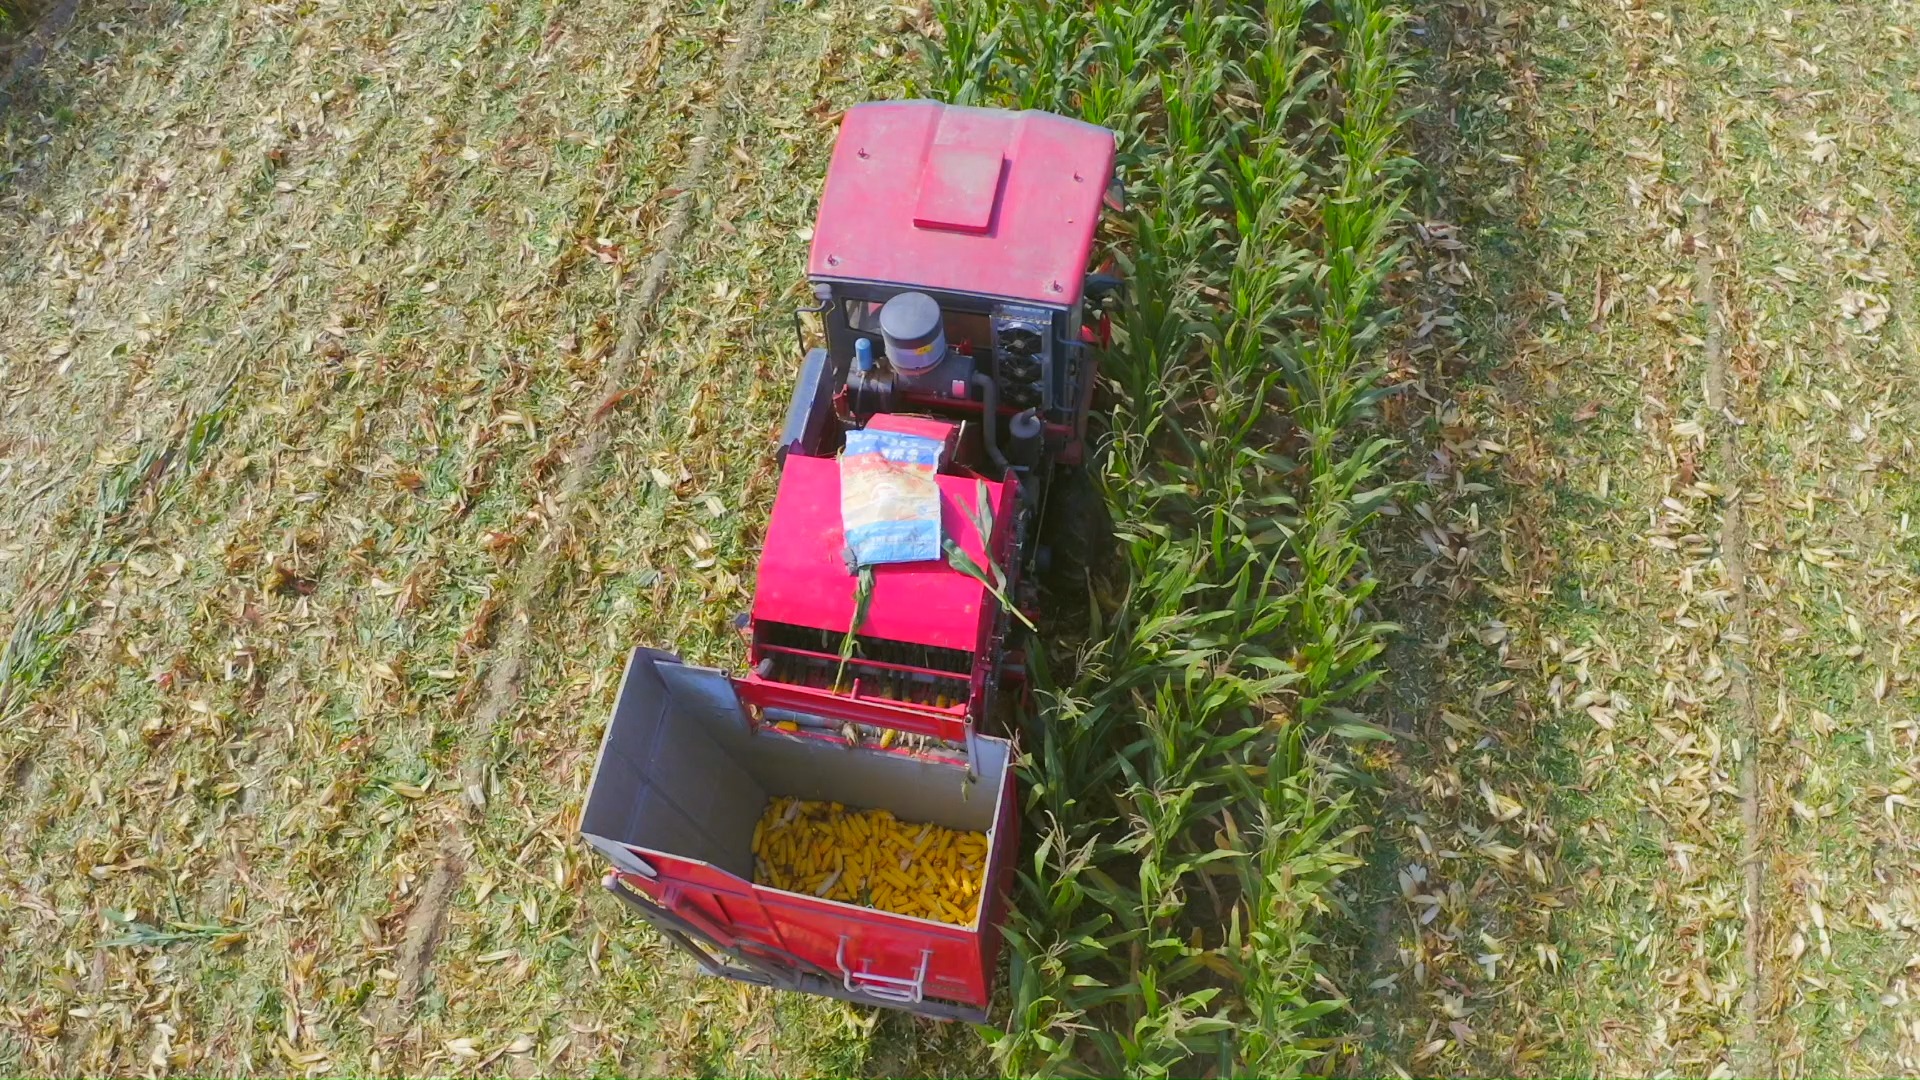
point(964, 55)
point(1127, 40)
point(32, 651)
point(1301, 851)
point(42, 626)
point(170, 932)
point(990, 575)
point(862, 599)
point(1047, 52)
point(1186, 820)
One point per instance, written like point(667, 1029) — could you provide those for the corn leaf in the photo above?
point(862, 599)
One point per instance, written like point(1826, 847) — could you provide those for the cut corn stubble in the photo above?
point(870, 858)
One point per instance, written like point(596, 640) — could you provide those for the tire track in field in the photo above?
point(51, 26)
point(275, 211)
point(1751, 1056)
point(503, 677)
point(426, 922)
point(237, 354)
point(422, 934)
point(375, 411)
point(381, 410)
point(1829, 449)
point(201, 247)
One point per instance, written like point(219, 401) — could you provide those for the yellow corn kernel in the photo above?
point(827, 885)
point(869, 857)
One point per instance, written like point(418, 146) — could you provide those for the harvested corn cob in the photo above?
point(871, 858)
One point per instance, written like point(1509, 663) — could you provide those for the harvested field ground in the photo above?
point(1657, 817)
point(371, 378)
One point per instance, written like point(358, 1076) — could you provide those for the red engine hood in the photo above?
point(981, 201)
point(803, 578)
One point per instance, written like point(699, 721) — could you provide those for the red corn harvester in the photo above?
point(949, 266)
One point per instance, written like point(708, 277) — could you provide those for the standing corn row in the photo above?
point(1259, 144)
point(871, 858)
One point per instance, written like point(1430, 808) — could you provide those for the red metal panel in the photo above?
point(830, 934)
point(803, 578)
point(959, 188)
point(949, 724)
point(895, 160)
point(960, 960)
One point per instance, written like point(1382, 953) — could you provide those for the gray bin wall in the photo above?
point(681, 772)
point(663, 780)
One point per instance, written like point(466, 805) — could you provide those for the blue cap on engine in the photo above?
point(863, 353)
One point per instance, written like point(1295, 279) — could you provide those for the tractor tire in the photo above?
point(1076, 532)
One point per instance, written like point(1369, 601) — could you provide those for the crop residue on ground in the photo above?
point(331, 498)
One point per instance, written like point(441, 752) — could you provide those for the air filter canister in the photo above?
point(916, 340)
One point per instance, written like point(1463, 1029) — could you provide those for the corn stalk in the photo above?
point(1189, 820)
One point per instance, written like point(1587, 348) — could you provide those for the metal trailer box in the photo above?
point(686, 769)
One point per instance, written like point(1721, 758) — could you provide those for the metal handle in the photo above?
point(887, 987)
point(799, 331)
